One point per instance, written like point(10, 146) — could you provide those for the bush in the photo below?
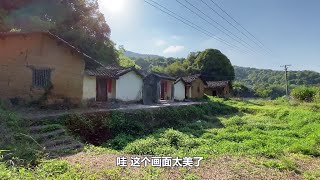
point(304, 93)
point(163, 143)
point(125, 126)
point(119, 142)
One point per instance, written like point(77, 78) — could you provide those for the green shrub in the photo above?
point(282, 164)
point(119, 142)
point(304, 93)
point(97, 129)
point(163, 143)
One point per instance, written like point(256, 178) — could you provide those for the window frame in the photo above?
point(41, 78)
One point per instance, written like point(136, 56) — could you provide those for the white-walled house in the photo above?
point(129, 86)
point(114, 83)
point(179, 90)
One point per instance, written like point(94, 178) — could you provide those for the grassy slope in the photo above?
point(266, 139)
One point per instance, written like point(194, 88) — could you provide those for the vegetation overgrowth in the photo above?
point(274, 134)
point(306, 93)
point(249, 82)
point(16, 146)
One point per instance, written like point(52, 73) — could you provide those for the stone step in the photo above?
point(44, 128)
point(62, 141)
point(75, 146)
point(49, 135)
point(44, 120)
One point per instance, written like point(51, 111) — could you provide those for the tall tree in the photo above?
point(77, 21)
point(214, 65)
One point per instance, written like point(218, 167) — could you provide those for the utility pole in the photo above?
point(286, 78)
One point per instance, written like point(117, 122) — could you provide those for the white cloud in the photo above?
point(175, 37)
point(161, 42)
point(173, 49)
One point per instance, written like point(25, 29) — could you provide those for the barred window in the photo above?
point(41, 78)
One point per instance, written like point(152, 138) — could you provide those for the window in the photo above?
point(41, 78)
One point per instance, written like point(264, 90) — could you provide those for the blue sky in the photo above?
point(289, 28)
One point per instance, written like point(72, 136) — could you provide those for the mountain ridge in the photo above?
point(140, 55)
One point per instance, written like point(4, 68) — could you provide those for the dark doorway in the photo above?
point(214, 93)
point(102, 94)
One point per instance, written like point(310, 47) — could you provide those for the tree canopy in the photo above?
point(79, 22)
point(211, 63)
point(214, 65)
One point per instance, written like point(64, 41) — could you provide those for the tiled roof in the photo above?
point(190, 79)
point(143, 72)
point(112, 71)
point(217, 84)
point(163, 76)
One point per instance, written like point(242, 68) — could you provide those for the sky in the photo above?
point(289, 30)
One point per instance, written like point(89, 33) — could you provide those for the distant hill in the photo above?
point(253, 76)
point(143, 56)
point(246, 75)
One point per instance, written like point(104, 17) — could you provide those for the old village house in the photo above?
point(33, 65)
point(218, 88)
point(116, 83)
point(158, 87)
point(194, 87)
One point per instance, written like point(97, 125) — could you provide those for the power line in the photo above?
point(228, 21)
point(189, 23)
point(229, 32)
point(216, 4)
point(185, 20)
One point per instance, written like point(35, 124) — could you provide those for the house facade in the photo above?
point(115, 83)
point(218, 88)
point(158, 87)
point(179, 90)
point(194, 86)
point(36, 64)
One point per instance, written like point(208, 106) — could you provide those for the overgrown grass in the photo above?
point(124, 127)
point(17, 147)
point(269, 130)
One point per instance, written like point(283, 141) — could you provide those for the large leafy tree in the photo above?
point(77, 21)
point(214, 65)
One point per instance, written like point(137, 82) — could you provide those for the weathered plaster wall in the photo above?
point(179, 91)
point(151, 90)
point(221, 92)
point(129, 87)
point(89, 88)
point(197, 88)
point(20, 53)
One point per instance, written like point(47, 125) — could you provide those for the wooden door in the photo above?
point(102, 94)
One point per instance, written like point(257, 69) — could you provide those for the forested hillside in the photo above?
point(249, 82)
point(252, 76)
point(138, 55)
